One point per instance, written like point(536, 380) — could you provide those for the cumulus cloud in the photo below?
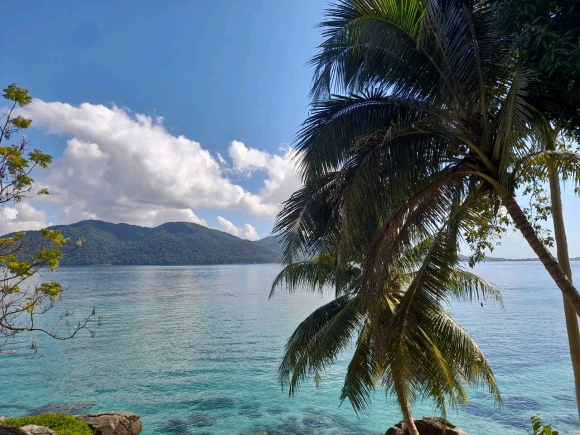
point(282, 178)
point(22, 217)
point(125, 167)
point(245, 232)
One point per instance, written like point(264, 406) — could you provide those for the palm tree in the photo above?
point(421, 352)
point(427, 112)
point(550, 143)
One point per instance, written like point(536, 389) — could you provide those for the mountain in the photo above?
point(173, 243)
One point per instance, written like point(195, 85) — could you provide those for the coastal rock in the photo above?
point(113, 423)
point(10, 430)
point(428, 426)
point(33, 429)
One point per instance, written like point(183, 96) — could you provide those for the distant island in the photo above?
point(173, 243)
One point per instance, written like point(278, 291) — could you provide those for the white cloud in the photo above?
point(245, 232)
point(125, 167)
point(282, 178)
point(22, 217)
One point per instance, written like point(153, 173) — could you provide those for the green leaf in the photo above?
point(20, 122)
point(17, 94)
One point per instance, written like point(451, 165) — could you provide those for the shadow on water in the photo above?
point(211, 403)
point(202, 419)
point(7, 406)
point(565, 398)
point(310, 425)
point(251, 410)
point(73, 408)
point(501, 416)
point(178, 426)
point(517, 403)
point(277, 410)
point(175, 427)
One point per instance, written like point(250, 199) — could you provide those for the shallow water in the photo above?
point(194, 350)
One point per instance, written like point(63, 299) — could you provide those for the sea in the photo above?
point(195, 350)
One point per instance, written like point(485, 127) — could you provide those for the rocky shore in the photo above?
point(428, 426)
point(124, 423)
point(103, 423)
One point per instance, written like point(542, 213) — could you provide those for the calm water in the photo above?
point(195, 349)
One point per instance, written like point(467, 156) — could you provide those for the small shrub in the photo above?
point(539, 429)
point(61, 424)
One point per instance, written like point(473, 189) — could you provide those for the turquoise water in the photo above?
point(194, 350)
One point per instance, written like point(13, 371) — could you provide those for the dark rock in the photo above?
point(396, 430)
point(428, 426)
point(10, 430)
point(113, 423)
point(30, 429)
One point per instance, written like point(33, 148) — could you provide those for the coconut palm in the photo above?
point(417, 107)
point(421, 353)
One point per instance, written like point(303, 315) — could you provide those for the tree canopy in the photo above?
point(22, 258)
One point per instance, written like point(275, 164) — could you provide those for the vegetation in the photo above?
point(421, 129)
point(546, 35)
point(546, 41)
point(540, 429)
point(425, 354)
point(423, 125)
point(173, 243)
point(20, 259)
point(61, 424)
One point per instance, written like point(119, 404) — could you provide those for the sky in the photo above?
point(170, 111)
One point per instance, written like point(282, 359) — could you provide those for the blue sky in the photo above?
point(175, 110)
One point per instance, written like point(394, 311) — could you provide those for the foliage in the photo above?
point(419, 122)
point(539, 429)
point(61, 424)
point(409, 345)
point(421, 130)
point(21, 258)
point(547, 42)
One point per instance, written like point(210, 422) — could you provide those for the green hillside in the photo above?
point(173, 243)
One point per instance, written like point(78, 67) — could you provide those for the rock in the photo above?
point(30, 429)
point(428, 426)
point(11, 430)
point(113, 423)
point(395, 430)
point(33, 429)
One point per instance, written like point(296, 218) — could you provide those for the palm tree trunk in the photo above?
point(564, 260)
point(405, 407)
point(564, 284)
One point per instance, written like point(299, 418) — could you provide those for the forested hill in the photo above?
point(173, 243)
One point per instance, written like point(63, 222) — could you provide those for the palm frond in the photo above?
point(364, 42)
point(318, 340)
point(321, 272)
point(538, 165)
point(335, 124)
point(362, 373)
